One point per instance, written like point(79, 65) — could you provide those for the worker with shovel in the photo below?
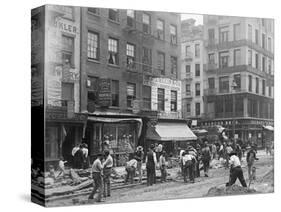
point(235, 170)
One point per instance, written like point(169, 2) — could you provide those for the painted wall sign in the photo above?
point(104, 95)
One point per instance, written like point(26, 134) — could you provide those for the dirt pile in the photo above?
point(231, 190)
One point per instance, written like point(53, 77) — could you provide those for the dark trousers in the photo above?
point(163, 173)
point(206, 166)
point(188, 169)
point(235, 173)
point(106, 182)
point(151, 178)
point(130, 174)
point(197, 169)
point(97, 185)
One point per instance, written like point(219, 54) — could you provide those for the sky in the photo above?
point(198, 18)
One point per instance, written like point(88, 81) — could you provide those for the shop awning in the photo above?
point(166, 131)
point(117, 120)
point(200, 131)
point(270, 128)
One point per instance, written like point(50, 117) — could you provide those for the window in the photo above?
point(146, 94)
point(197, 89)
point(187, 69)
point(263, 41)
point(257, 85)
point(237, 31)
point(174, 101)
point(93, 10)
point(237, 80)
point(211, 58)
point(257, 36)
point(161, 62)
point(173, 65)
point(113, 14)
point(115, 93)
point(197, 109)
point(269, 44)
point(146, 23)
point(187, 51)
point(250, 62)
point(131, 94)
point(197, 70)
point(173, 34)
point(211, 82)
point(67, 92)
point(67, 50)
point(224, 84)
point(250, 35)
point(269, 66)
point(131, 18)
point(188, 109)
point(211, 34)
point(93, 85)
point(68, 12)
point(263, 64)
point(250, 83)
point(113, 51)
point(257, 61)
point(93, 46)
point(161, 99)
point(146, 59)
point(197, 50)
point(130, 52)
point(263, 87)
point(187, 89)
point(160, 29)
point(269, 90)
point(223, 59)
point(223, 34)
point(237, 57)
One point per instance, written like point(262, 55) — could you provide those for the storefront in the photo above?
point(172, 134)
point(62, 134)
point(119, 135)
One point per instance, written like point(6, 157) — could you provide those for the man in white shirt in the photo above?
point(235, 170)
point(188, 161)
point(131, 166)
point(107, 168)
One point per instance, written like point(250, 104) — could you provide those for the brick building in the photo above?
point(239, 75)
point(192, 52)
point(129, 77)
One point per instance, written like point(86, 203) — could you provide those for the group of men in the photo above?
point(80, 156)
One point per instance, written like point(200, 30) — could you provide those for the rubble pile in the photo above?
point(230, 190)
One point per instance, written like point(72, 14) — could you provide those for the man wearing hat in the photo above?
point(139, 157)
point(97, 177)
point(151, 162)
point(235, 170)
point(107, 168)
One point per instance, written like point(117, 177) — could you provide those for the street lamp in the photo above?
point(233, 86)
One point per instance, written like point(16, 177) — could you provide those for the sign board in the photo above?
point(70, 109)
point(236, 136)
point(136, 106)
point(104, 94)
point(194, 123)
point(250, 135)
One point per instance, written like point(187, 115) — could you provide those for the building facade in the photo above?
point(239, 75)
point(64, 122)
point(192, 51)
point(129, 71)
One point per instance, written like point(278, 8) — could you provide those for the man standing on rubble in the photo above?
point(251, 157)
point(97, 177)
point(151, 162)
point(139, 157)
point(206, 157)
point(235, 170)
point(107, 168)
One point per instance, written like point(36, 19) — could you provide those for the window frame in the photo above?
point(114, 53)
point(160, 101)
point(173, 103)
point(97, 47)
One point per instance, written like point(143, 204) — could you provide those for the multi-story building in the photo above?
point(60, 41)
point(192, 52)
point(129, 77)
point(238, 85)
